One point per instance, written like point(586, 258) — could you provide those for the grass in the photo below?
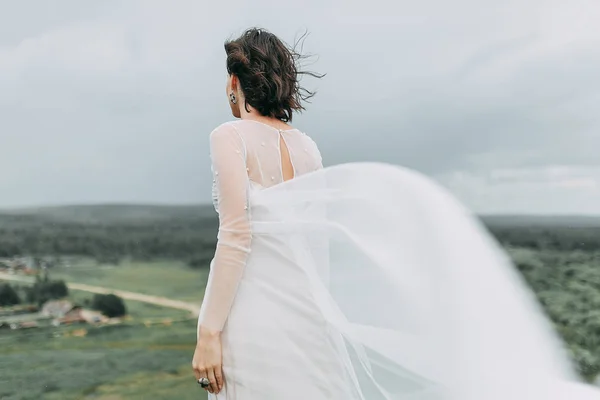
point(129, 361)
point(161, 278)
point(146, 357)
point(136, 310)
point(149, 385)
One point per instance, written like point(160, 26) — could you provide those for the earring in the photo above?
point(232, 98)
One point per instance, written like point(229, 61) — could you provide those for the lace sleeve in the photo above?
point(233, 241)
point(319, 156)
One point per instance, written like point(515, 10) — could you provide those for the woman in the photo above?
point(360, 281)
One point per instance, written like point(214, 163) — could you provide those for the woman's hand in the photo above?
point(207, 362)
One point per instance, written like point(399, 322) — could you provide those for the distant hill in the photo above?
point(541, 221)
point(148, 213)
point(109, 233)
point(112, 213)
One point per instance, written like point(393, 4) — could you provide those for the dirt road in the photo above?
point(146, 298)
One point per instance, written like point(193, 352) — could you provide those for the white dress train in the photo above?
point(365, 281)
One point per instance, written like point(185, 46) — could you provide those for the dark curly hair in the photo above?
point(267, 70)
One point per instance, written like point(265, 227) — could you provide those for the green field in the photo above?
point(170, 279)
point(164, 251)
point(126, 361)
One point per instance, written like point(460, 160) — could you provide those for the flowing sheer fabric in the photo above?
point(368, 281)
point(422, 301)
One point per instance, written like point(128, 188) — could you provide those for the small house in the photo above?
point(56, 308)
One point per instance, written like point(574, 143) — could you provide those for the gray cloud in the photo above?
point(115, 102)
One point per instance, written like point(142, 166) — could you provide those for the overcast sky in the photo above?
point(113, 101)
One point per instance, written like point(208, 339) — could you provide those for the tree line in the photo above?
point(188, 240)
point(194, 239)
point(561, 238)
point(45, 289)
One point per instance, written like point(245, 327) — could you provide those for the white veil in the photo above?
point(422, 302)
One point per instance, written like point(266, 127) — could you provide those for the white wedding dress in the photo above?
point(364, 281)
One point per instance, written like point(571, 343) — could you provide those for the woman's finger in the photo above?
point(200, 373)
point(197, 372)
point(210, 374)
point(219, 377)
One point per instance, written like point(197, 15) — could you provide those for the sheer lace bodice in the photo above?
point(260, 143)
point(246, 155)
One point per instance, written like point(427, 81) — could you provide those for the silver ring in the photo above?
point(204, 382)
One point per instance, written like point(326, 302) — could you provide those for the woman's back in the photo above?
point(271, 156)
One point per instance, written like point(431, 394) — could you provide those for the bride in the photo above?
point(359, 281)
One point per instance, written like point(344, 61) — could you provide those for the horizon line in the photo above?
point(209, 204)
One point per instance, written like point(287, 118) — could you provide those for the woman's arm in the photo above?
point(228, 156)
